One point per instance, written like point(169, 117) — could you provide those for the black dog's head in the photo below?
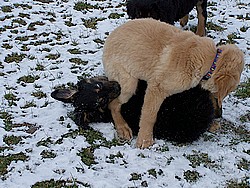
point(93, 94)
point(90, 99)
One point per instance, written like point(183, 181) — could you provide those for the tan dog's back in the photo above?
point(148, 49)
point(134, 44)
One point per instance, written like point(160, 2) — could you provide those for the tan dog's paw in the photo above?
point(124, 133)
point(215, 125)
point(144, 142)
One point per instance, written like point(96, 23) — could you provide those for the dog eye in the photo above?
point(98, 86)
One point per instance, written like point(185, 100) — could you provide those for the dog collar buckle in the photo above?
point(213, 67)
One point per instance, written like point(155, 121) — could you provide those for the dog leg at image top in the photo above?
point(202, 18)
point(184, 20)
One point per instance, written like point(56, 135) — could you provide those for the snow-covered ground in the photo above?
point(47, 43)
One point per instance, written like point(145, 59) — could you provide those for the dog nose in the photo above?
point(218, 113)
point(117, 88)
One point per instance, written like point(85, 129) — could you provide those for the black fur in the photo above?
point(167, 11)
point(90, 98)
point(182, 117)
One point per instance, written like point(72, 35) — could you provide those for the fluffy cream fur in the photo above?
point(171, 61)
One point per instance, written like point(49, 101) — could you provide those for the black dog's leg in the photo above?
point(184, 20)
point(202, 17)
point(82, 120)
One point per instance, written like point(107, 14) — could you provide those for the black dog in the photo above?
point(169, 11)
point(182, 117)
point(90, 98)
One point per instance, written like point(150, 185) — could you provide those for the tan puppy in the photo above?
point(171, 61)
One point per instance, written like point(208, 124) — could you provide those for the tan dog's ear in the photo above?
point(225, 85)
point(217, 108)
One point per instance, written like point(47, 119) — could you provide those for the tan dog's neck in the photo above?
point(213, 67)
point(207, 81)
point(226, 76)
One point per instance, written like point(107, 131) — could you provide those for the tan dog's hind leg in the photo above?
point(184, 20)
point(201, 21)
point(152, 102)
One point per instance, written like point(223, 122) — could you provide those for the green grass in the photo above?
point(153, 172)
point(39, 67)
point(245, 118)
point(7, 46)
point(28, 79)
point(243, 91)
point(244, 164)
point(25, 48)
point(112, 157)
point(191, 175)
point(84, 6)
point(5, 148)
point(23, 15)
point(5, 161)
point(198, 159)
point(116, 15)
point(39, 94)
point(7, 120)
point(22, 38)
point(238, 183)
point(14, 57)
point(1, 65)
point(45, 142)
point(24, 6)
point(78, 61)
point(87, 156)
point(215, 27)
point(92, 22)
point(60, 183)
point(11, 98)
point(99, 41)
point(231, 38)
point(48, 154)
point(45, 1)
point(135, 176)
point(32, 25)
point(244, 28)
point(69, 23)
point(53, 56)
point(40, 42)
point(19, 21)
point(75, 51)
point(240, 132)
point(7, 17)
point(6, 8)
point(95, 139)
point(29, 104)
point(12, 140)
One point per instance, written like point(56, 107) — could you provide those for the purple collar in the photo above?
point(213, 67)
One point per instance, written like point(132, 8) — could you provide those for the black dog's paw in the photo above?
point(85, 127)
